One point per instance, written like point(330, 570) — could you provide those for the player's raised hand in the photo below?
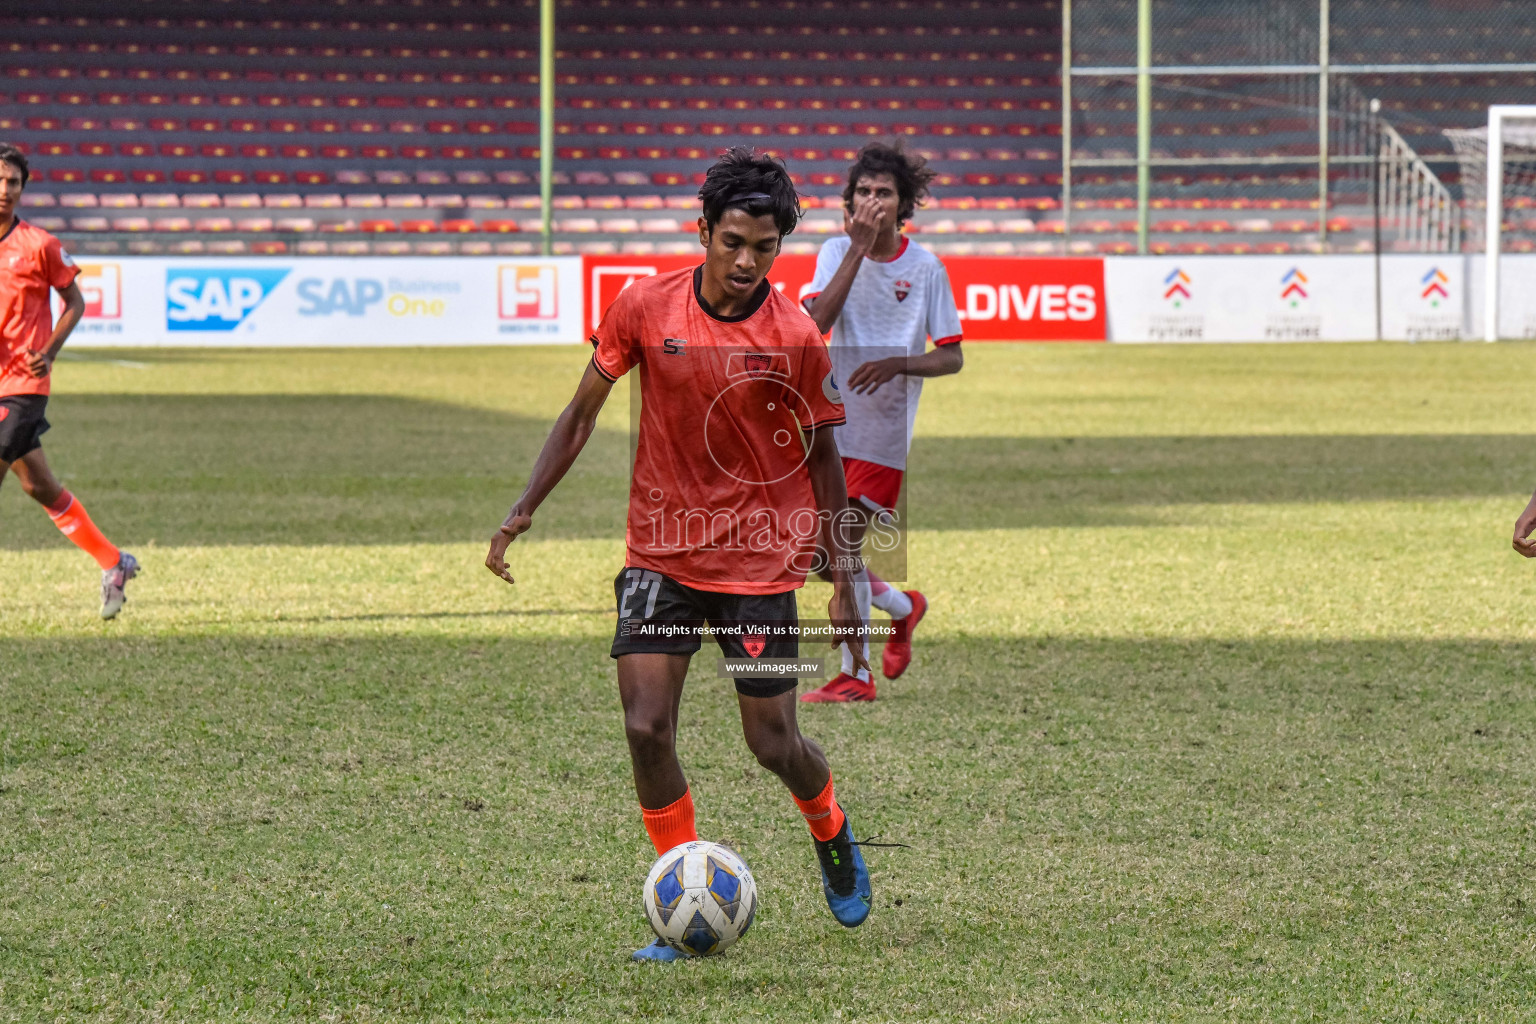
point(1523, 527)
point(864, 224)
point(517, 523)
point(869, 376)
point(847, 626)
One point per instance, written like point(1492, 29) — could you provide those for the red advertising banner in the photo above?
point(1000, 299)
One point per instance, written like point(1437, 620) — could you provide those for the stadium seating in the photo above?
point(355, 113)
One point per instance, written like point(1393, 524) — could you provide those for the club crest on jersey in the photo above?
point(754, 643)
point(757, 365)
point(903, 289)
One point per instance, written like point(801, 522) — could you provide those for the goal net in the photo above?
point(1498, 181)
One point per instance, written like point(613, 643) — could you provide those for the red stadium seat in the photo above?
point(231, 176)
point(148, 176)
point(108, 176)
point(377, 226)
point(65, 174)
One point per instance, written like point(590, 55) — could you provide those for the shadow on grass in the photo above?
point(291, 469)
point(301, 826)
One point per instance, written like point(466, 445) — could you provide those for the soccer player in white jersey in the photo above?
point(883, 297)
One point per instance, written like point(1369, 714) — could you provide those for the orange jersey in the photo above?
point(32, 264)
point(720, 498)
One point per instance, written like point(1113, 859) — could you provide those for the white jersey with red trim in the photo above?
point(893, 308)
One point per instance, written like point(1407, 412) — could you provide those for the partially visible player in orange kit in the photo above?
point(32, 264)
point(884, 298)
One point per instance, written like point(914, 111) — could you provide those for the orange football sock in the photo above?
point(821, 812)
point(671, 825)
point(73, 522)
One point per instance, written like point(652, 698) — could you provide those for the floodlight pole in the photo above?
point(1066, 126)
point(1143, 118)
point(546, 119)
point(1322, 125)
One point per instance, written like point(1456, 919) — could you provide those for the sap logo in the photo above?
point(215, 298)
point(341, 296)
point(1044, 302)
point(527, 291)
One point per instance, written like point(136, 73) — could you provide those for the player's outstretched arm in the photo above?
point(1523, 527)
point(40, 363)
point(864, 227)
point(831, 490)
point(560, 449)
point(941, 361)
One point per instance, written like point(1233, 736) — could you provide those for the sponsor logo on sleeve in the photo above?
point(830, 389)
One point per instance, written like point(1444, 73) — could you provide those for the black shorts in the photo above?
point(658, 615)
point(21, 424)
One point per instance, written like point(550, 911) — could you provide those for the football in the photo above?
point(700, 898)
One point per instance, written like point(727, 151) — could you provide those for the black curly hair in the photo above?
point(16, 158)
point(754, 182)
point(910, 172)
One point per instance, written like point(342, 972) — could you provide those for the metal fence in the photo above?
point(1279, 125)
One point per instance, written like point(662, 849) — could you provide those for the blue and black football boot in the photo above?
point(658, 951)
point(844, 878)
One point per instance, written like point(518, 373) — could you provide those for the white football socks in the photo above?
point(891, 601)
point(861, 597)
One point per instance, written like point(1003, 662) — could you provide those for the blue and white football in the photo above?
point(700, 898)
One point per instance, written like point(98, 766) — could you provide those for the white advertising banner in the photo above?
point(1517, 296)
point(1424, 297)
point(1240, 298)
point(326, 302)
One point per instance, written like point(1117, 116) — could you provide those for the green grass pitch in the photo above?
point(1223, 710)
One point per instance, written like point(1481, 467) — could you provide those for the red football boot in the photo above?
point(898, 649)
point(843, 689)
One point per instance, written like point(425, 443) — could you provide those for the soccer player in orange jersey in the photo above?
point(33, 264)
point(736, 476)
